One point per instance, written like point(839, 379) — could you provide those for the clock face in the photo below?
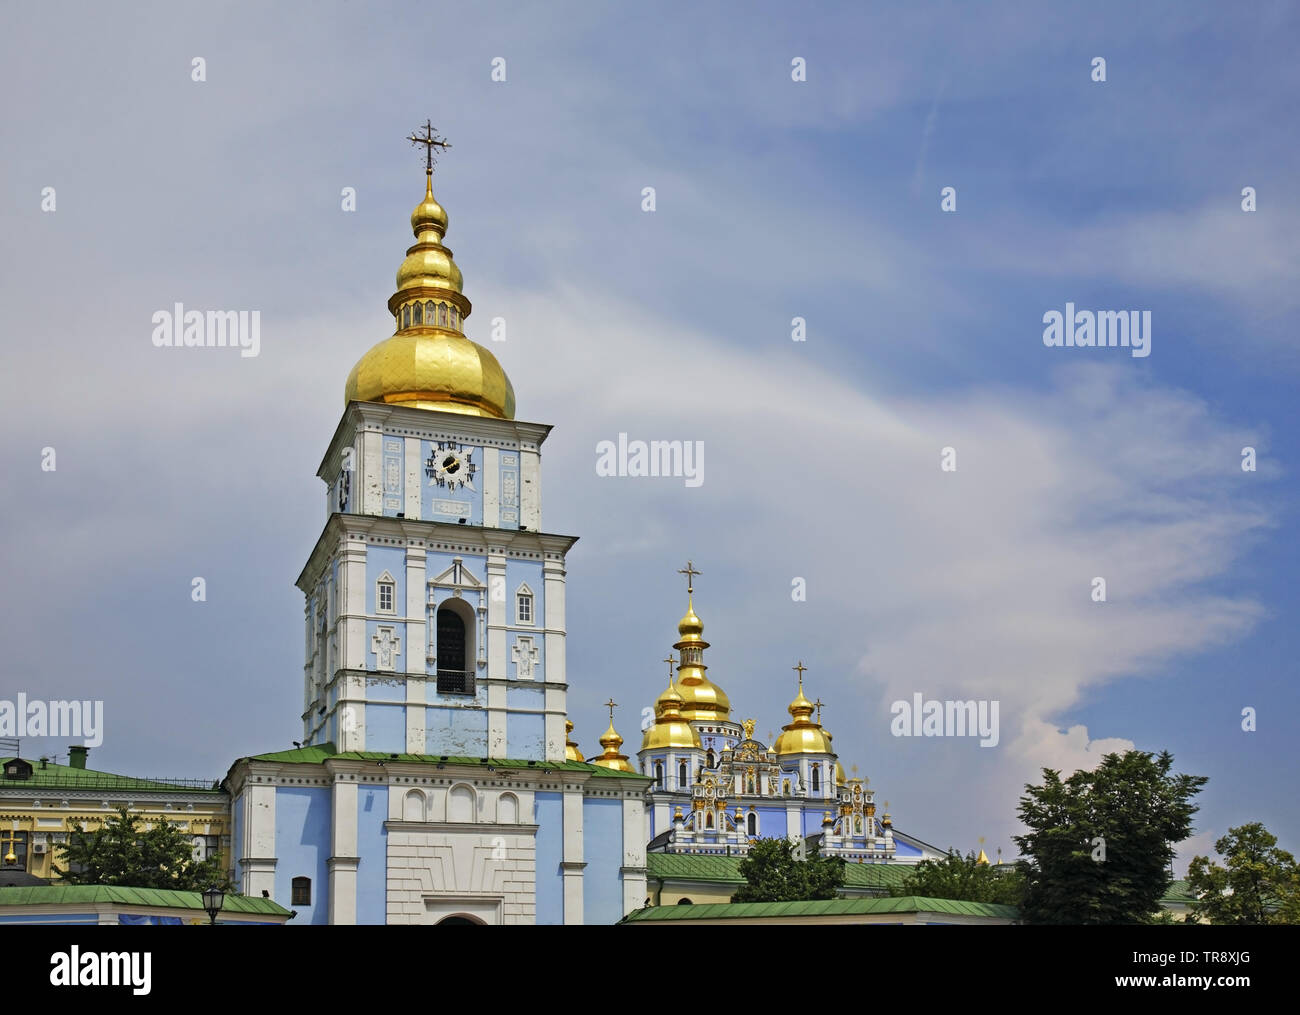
point(451, 466)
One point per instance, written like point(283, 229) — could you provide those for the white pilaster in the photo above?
point(492, 487)
point(414, 475)
point(572, 864)
point(342, 862)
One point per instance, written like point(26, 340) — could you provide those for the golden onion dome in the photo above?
point(839, 774)
point(669, 728)
point(701, 698)
point(428, 363)
point(611, 741)
point(572, 752)
point(802, 735)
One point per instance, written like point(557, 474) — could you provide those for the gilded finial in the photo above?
point(801, 668)
point(611, 705)
point(748, 726)
point(671, 663)
point(818, 705)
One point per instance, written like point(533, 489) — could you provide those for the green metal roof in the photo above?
point(83, 895)
point(53, 776)
point(822, 907)
point(726, 870)
point(1179, 891)
point(326, 752)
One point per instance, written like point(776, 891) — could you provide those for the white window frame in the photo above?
point(385, 579)
point(522, 591)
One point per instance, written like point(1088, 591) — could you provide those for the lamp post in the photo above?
point(213, 899)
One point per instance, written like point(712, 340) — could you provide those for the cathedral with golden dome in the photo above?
point(716, 788)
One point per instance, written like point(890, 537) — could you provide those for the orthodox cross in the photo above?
point(11, 838)
point(818, 705)
point(801, 668)
point(690, 572)
point(670, 660)
point(430, 140)
point(611, 705)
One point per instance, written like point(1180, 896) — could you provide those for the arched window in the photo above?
point(301, 892)
point(681, 775)
point(413, 806)
point(417, 316)
point(685, 902)
point(442, 314)
point(708, 820)
point(406, 316)
point(752, 825)
point(816, 777)
point(453, 673)
point(710, 758)
point(659, 774)
point(455, 317)
point(508, 809)
point(428, 311)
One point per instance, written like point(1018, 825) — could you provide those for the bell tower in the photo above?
point(434, 601)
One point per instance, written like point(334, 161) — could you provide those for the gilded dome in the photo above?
point(802, 735)
point(429, 363)
point(572, 752)
point(611, 741)
point(670, 729)
point(701, 698)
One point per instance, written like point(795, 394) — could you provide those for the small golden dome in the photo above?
point(802, 735)
point(701, 698)
point(429, 363)
point(611, 741)
point(690, 627)
point(839, 773)
point(572, 752)
point(670, 729)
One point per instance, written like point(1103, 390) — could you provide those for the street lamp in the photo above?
point(213, 898)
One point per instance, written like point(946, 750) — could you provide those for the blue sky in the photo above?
point(775, 199)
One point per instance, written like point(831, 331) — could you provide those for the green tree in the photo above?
point(120, 852)
point(773, 873)
point(1100, 843)
point(962, 877)
point(1259, 883)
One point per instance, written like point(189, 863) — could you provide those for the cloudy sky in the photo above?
point(775, 199)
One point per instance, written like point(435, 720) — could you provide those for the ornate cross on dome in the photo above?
point(611, 705)
point(670, 660)
point(690, 572)
point(818, 705)
point(430, 140)
point(801, 668)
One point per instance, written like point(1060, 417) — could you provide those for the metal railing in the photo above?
point(455, 682)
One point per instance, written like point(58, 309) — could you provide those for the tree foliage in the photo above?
point(120, 852)
point(1258, 884)
point(1100, 843)
point(962, 877)
point(773, 873)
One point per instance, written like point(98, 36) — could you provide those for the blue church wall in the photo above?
point(539, 663)
point(302, 844)
point(456, 732)
point(602, 885)
point(548, 813)
point(399, 631)
point(903, 849)
point(526, 697)
point(519, 572)
point(525, 736)
point(393, 560)
point(372, 848)
point(386, 728)
point(771, 822)
point(439, 504)
point(385, 689)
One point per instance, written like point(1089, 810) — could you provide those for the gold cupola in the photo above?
point(428, 363)
point(802, 735)
point(670, 729)
point(702, 700)
point(572, 752)
point(611, 741)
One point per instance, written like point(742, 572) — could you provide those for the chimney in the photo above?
point(77, 756)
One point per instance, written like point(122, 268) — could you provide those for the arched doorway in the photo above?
point(454, 676)
point(460, 921)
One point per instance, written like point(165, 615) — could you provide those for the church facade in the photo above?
point(435, 781)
